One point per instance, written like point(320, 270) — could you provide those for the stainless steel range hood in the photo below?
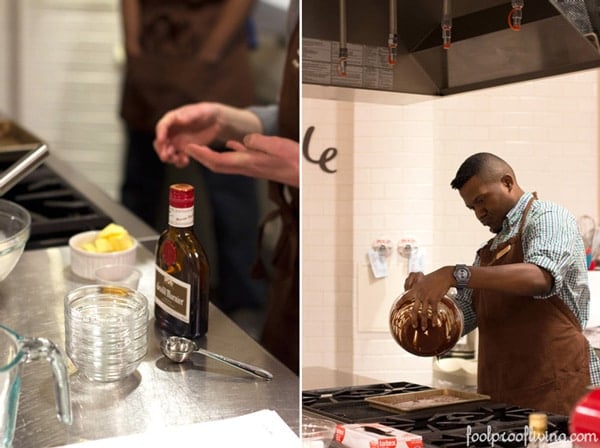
point(484, 52)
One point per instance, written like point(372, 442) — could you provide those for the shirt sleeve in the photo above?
point(551, 241)
point(268, 115)
point(465, 303)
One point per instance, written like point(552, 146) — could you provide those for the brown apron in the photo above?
point(169, 73)
point(281, 331)
point(532, 352)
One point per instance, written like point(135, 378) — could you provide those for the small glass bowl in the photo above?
point(106, 331)
point(434, 340)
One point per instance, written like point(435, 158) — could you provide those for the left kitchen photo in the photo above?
point(149, 223)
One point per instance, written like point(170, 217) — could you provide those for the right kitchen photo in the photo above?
point(450, 223)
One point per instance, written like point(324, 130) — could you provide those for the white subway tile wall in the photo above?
point(69, 83)
point(4, 56)
point(394, 167)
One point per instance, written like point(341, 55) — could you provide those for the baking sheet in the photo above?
point(426, 399)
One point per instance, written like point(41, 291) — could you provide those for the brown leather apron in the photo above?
point(169, 72)
point(281, 331)
point(532, 352)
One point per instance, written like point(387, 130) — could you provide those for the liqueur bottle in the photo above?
point(538, 427)
point(182, 270)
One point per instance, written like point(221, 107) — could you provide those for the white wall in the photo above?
point(394, 166)
point(5, 60)
point(69, 82)
point(594, 318)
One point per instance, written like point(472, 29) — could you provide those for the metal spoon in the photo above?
point(178, 349)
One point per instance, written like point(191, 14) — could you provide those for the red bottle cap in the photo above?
point(181, 195)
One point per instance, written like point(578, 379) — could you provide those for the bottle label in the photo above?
point(181, 217)
point(173, 295)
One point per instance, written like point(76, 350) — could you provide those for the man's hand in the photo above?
point(412, 279)
point(427, 291)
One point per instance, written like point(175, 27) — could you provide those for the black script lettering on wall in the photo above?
point(326, 156)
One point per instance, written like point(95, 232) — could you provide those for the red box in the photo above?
point(374, 435)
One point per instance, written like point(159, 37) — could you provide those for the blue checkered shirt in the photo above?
point(552, 241)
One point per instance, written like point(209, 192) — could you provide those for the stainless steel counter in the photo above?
point(159, 394)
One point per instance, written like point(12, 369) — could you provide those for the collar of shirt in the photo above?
point(512, 220)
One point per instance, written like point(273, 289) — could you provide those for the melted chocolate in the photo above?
point(434, 340)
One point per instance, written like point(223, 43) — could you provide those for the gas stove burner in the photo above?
point(439, 439)
point(408, 424)
point(516, 413)
point(357, 411)
point(57, 210)
point(424, 422)
point(453, 420)
point(479, 425)
point(362, 392)
point(334, 395)
point(309, 398)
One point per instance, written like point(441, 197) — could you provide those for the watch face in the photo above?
point(462, 275)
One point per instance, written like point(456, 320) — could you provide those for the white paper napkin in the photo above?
point(261, 429)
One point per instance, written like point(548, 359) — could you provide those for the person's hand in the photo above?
point(427, 291)
point(202, 124)
point(259, 156)
point(412, 279)
point(194, 123)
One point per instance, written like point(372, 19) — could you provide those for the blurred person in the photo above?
point(181, 51)
point(263, 143)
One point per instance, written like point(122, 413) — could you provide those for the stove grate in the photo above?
point(57, 210)
point(351, 393)
point(479, 425)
